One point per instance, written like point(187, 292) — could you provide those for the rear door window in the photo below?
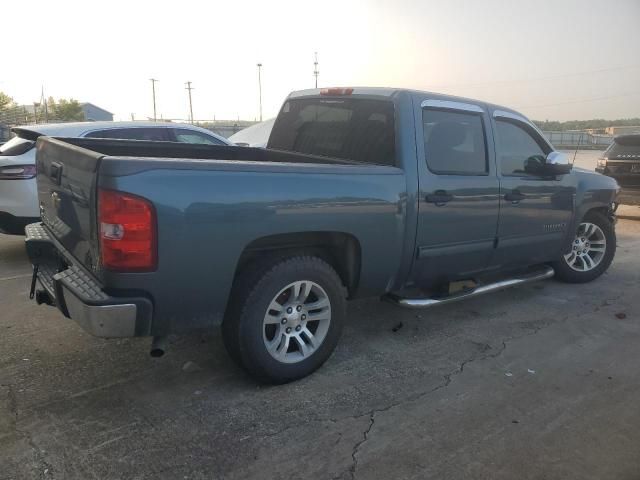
point(454, 142)
point(136, 133)
point(184, 135)
point(347, 128)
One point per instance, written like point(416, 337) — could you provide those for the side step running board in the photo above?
point(541, 274)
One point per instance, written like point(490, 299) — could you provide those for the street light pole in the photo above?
point(189, 88)
point(153, 89)
point(315, 68)
point(260, 88)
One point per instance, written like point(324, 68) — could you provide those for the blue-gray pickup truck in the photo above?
point(414, 197)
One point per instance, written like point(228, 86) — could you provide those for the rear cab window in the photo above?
point(357, 129)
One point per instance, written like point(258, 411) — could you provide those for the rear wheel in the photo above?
point(591, 251)
point(285, 319)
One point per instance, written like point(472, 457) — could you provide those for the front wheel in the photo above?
point(286, 319)
point(591, 251)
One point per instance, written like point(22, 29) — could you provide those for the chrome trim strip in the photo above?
point(547, 272)
point(448, 105)
point(511, 115)
point(526, 121)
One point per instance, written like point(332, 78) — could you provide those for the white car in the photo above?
point(18, 194)
point(254, 136)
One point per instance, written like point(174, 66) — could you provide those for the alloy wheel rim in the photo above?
point(587, 249)
point(296, 321)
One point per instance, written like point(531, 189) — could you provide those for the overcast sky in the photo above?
point(558, 60)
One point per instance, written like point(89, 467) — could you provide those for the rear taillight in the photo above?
point(128, 233)
point(17, 172)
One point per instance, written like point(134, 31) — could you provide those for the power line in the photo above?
point(549, 77)
point(593, 99)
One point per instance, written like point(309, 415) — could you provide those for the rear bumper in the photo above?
point(79, 296)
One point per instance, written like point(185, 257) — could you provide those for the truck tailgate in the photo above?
point(66, 178)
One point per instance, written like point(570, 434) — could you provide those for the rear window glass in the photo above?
point(138, 133)
point(627, 146)
point(352, 129)
point(16, 146)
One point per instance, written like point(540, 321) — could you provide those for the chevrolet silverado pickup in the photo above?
point(414, 197)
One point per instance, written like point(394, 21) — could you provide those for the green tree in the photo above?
point(65, 110)
point(6, 102)
point(11, 113)
point(584, 124)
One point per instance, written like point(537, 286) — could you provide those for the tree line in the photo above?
point(61, 110)
point(552, 125)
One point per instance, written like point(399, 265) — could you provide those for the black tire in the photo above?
point(567, 274)
point(257, 286)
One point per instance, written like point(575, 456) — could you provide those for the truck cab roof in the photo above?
point(391, 92)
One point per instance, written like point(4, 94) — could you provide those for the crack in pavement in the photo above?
point(365, 436)
point(448, 378)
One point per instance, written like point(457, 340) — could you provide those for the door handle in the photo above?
point(439, 197)
point(56, 172)
point(514, 196)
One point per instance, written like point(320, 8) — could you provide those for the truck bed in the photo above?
point(213, 203)
point(173, 150)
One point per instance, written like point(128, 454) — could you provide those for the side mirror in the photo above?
point(557, 163)
point(554, 164)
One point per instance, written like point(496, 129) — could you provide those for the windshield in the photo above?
point(347, 128)
point(16, 146)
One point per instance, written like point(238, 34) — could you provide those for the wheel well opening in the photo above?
point(340, 250)
point(606, 211)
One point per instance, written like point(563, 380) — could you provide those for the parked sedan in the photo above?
point(18, 194)
point(622, 162)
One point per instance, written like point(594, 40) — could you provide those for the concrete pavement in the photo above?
point(541, 381)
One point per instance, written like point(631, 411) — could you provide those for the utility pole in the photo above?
point(153, 89)
point(189, 87)
point(43, 100)
point(260, 88)
point(315, 68)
